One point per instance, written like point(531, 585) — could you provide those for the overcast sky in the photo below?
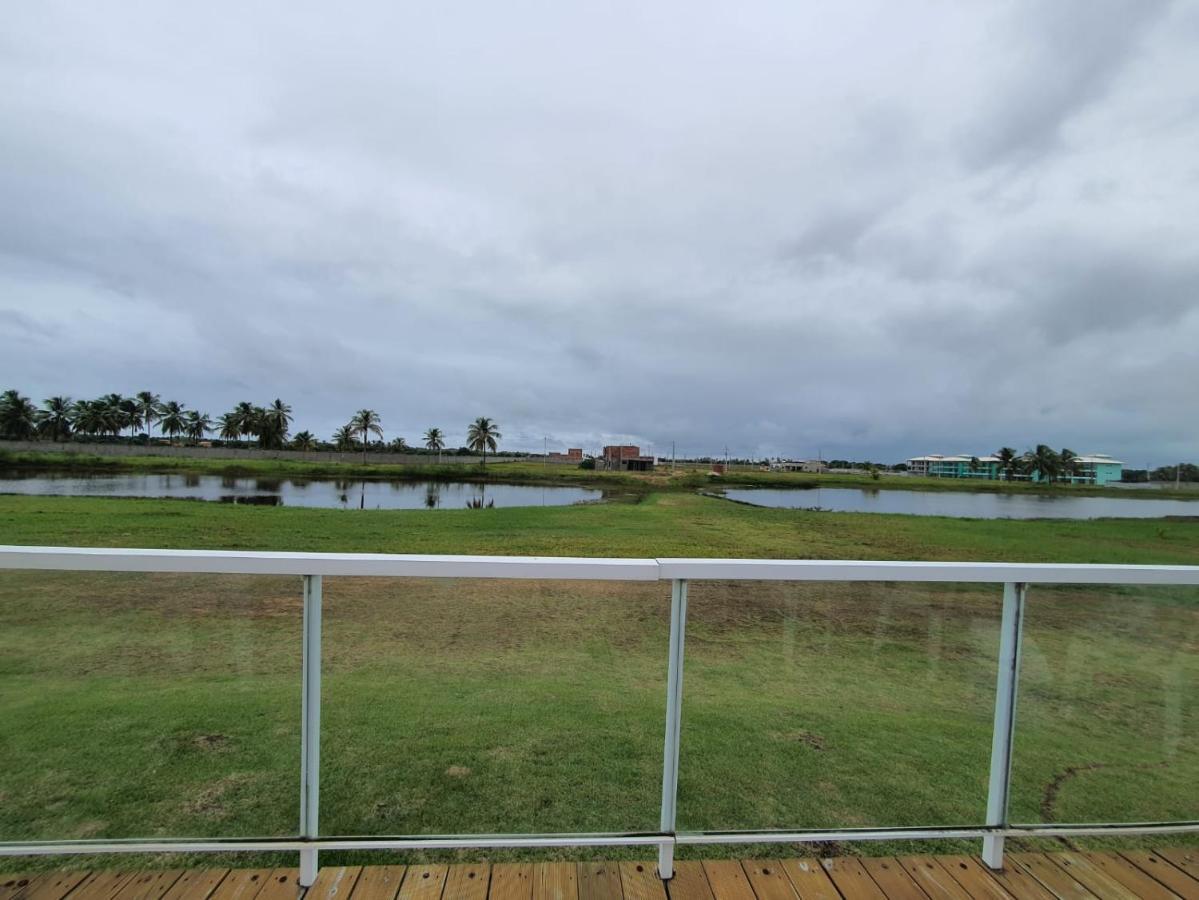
point(862, 229)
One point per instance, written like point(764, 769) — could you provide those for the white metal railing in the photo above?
point(311, 567)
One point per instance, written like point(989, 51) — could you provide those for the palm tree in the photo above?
point(304, 441)
point(273, 423)
point(148, 407)
point(343, 437)
point(1068, 462)
point(245, 419)
point(435, 440)
point(1044, 462)
point(131, 414)
point(483, 435)
point(365, 423)
point(114, 412)
point(399, 445)
point(88, 416)
point(172, 419)
point(196, 425)
point(229, 426)
point(55, 418)
point(18, 416)
point(1007, 461)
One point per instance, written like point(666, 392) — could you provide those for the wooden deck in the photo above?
point(1158, 875)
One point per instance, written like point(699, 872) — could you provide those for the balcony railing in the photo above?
point(311, 567)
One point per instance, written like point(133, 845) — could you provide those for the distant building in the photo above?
point(799, 465)
point(574, 454)
point(1097, 468)
point(937, 465)
point(624, 458)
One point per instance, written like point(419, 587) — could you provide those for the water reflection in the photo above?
point(963, 504)
point(340, 493)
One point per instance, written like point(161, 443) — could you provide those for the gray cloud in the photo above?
point(867, 231)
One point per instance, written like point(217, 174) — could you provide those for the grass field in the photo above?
point(144, 705)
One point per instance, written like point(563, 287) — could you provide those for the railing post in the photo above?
point(674, 711)
point(310, 727)
point(1007, 683)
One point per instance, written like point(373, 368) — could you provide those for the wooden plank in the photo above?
point(599, 881)
point(852, 879)
point(971, 876)
point(511, 881)
point(893, 879)
point(1018, 882)
point(932, 878)
point(1164, 871)
point(53, 885)
point(149, 885)
point(768, 879)
point(727, 880)
point(690, 882)
point(467, 881)
point(810, 880)
point(640, 881)
point(424, 882)
point(1054, 879)
point(241, 884)
point(555, 881)
point(1130, 876)
point(196, 884)
point(1187, 860)
point(1096, 881)
point(334, 883)
point(281, 884)
point(101, 884)
point(11, 885)
point(378, 883)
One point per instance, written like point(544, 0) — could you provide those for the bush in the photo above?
point(588, 464)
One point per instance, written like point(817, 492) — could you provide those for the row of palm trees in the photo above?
point(482, 435)
point(59, 418)
point(1043, 461)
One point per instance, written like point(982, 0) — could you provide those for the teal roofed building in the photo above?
point(1094, 468)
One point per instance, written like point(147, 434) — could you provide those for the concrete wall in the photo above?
point(412, 459)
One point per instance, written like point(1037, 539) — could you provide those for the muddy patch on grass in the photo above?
point(807, 738)
point(215, 801)
point(457, 772)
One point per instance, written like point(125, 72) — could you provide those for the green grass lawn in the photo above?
point(154, 705)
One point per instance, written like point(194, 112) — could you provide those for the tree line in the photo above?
point(62, 419)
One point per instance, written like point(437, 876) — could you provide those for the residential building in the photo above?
point(625, 458)
point(799, 465)
point(1095, 468)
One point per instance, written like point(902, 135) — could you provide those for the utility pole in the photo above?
point(1178, 476)
point(545, 460)
point(672, 457)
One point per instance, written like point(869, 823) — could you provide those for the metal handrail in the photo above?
point(1015, 577)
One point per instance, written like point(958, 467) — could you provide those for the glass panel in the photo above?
point(814, 705)
point(476, 706)
point(1108, 718)
point(139, 705)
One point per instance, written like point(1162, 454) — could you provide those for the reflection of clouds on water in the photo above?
point(336, 493)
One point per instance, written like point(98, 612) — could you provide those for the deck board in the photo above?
point(1125, 875)
point(932, 878)
point(893, 879)
point(599, 881)
point(727, 880)
point(510, 881)
point(852, 879)
point(555, 881)
point(1164, 871)
point(690, 882)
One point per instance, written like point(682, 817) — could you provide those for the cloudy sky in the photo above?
point(864, 229)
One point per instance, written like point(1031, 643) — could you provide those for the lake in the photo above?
point(963, 504)
point(324, 493)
